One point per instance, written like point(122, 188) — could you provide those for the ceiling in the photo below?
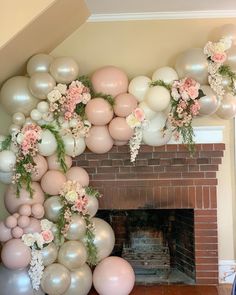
point(142, 6)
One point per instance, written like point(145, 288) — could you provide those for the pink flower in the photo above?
point(193, 92)
point(183, 104)
point(80, 204)
point(47, 236)
point(219, 57)
point(195, 108)
point(139, 114)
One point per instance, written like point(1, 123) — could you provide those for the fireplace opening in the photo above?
point(159, 244)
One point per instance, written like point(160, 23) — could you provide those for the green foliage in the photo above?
point(92, 192)
point(226, 71)
point(160, 83)
point(91, 247)
point(5, 145)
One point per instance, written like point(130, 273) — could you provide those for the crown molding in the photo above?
point(162, 15)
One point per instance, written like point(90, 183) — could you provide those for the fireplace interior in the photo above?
point(159, 244)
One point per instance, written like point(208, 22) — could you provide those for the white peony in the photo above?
point(46, 224)
point(28, 239)
point(71, 196)
point(20, 138)
point(39, 240)
point(61, 88)
point(54, 95)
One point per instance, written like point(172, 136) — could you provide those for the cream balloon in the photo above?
point(92, 206)
point(64, 69)
point(149, 113)
point(231, 58)
point(72, 254)
point(74, 146)
point(40, 84)
point(154, 135)
point(6, 177)
point(35, 115)
point(39, 63)
point(228, 31)
point(157, 98)
point(55, 279)
point(28, 121)
point(18, 119)
point(227, 108)
point(43, 107)
point(16, 97)
point(193, 63)
point(139, 86)
point(48, 144)
point(13, 129)
point(77, 228)
point(7, 161)
point(52, 207)
point(165, 74)
point(208, 103)
point(49, 254)
point(81, 281)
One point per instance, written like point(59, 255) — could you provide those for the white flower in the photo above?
point(48, 117)
point(86, 98)
point(36, 268)
point(28, 239)
point(71, 196)
point(54, 95)
point(87, 123)
point(39, 240)
point(20, 138)
point(132, 121)
point(46, 224)
point(61, 88)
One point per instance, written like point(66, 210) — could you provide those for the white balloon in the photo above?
point(28, 121)
point(74, 146)
point(7, 161)
point(6, 177)
point(138, 86)
point(166, 74)
point(14, 129)
point(35, 115)
point(48, 145)
point(154, 135)
point(43, 107)
point(157, 98)
point(149, 114)
point(18, 119)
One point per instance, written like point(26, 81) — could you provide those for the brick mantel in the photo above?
point(165, 177)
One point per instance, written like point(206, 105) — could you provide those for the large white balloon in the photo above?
point(209, 103)
point(6, 177)
point(166, 74)
point(7, 161)
point(139, 86)
point(154, 134)
point(48, 144)
point(74, 146)
point(149, 113)
point(64, 69)
point(157, 98)
point(40, 84)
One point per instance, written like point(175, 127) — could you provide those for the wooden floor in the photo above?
point(179, 290)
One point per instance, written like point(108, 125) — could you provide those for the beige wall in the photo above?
point(140, 47)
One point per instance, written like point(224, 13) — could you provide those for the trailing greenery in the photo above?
point(6, 143)
point(90, 191)
point(226, 71)
point(90, 236)
point(160, 83)
point(60, 146)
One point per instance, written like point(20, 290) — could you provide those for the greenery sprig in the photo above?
point(91, 247)
point(92, 192)
point(160, 83)
point(226, 71)
point(6, 143)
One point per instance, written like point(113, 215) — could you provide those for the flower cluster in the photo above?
point(36, 268)
point(216, 56)
point(136, 120)
point(76, 126)
point(63, 100)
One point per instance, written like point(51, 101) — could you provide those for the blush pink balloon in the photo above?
point(23, 221)
point(125, 103)
point(78, 174)
point(33, 227)
point(17, 232)
point(5, 232)
point(53, 163)
point(11, 221)
point(25, 210)
point(120, 142)
point(113, 275)
point(12, 203)
point(120, 130)
point(15, 254)
point(41, 167)
point(99, 112)
point(99, 140)
point(52, 182)
point(38, 211)
point(110, 80)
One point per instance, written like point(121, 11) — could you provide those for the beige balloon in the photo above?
point(40, 84)
point(77, 228)
point(227, 108)
point(165, 74)
point(72, 254)
point(49, 254)
point(74, 146)
point(56, 279)
point(139, 86)
point(15, 96)
point(157, 98)
point(193, 63)
point(149, 113)
point(64, 69)
point(53, 206)
point(48, 144)
point(231, 58)
point(92, 206)
point(81, 281)
point(18, 119)
point(39, 63)
point(208, 103)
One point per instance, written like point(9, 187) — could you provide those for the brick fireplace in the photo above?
point(165, 178)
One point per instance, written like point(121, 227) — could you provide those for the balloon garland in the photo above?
point(52, 233)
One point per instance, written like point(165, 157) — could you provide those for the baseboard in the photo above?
point(227, 271)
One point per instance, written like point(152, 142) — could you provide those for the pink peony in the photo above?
point(193, 92)
point(195, 108)
point(219, 57)
point(139, 114)
point(47, 236)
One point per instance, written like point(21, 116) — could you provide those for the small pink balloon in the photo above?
point(16, 215)
point(5, 232)
point(38, 211)
point(15, 254)
point(17, 232)
point(110, 80)
point(53, 163)
point(113, 275)
point(41, 167)
point(98, 111)
point(25, 210)
point(99, 140)
point(78, 174)
point(52, 182)
point(11, 221)
point(125, 103)
point(120, 130)
point(12, 203)
point(120, 142)
point(33, 227)
point(23, 221)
